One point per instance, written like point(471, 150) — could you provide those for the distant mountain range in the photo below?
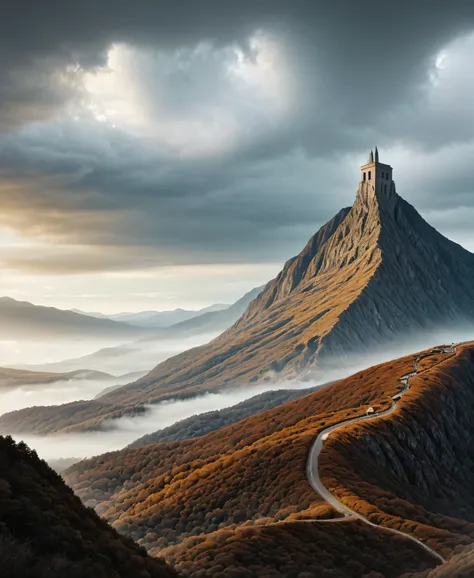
point(217, 319)
point(23, 320)
point(155, 318)
point(131, 354)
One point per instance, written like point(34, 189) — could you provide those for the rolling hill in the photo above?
point(201, 424)
point(237, 500)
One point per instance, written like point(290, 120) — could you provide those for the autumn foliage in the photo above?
point(415, 471)
point(298, 550)
point(237, 500)
point(251, 473)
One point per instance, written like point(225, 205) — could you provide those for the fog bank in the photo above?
point(121, 432)
point(57, 393)
point(141, 355)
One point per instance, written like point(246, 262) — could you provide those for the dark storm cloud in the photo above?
point(181, 211)
point(359, 73)
point(360, 56)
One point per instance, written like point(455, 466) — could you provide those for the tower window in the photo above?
point(370, 175)
point(364, 176)
point(385, 188)
point(383, 175)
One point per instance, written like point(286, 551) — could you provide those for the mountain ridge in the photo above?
point(373, 273)
point(22, 319)
point(153, 318)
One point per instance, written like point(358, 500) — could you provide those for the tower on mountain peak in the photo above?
point(376, 178)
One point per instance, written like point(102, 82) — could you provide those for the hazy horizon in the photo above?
point(120, 432)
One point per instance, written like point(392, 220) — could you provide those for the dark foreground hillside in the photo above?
point(46, 532)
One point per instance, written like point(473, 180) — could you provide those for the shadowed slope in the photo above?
point(461, 565)
point(45, 531)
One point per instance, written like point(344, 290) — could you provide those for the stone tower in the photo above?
point(376, 178)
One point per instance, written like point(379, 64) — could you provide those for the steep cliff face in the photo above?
point(296, 269)
point(423, 281)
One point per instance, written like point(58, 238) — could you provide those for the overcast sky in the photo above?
point(165, 153)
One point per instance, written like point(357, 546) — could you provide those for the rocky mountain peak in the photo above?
point(374, 273)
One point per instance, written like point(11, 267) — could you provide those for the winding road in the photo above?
point(312, 467)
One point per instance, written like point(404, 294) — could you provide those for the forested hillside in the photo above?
point(238, 496)
point(46, 532)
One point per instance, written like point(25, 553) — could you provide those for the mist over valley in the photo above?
point(237, 289)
